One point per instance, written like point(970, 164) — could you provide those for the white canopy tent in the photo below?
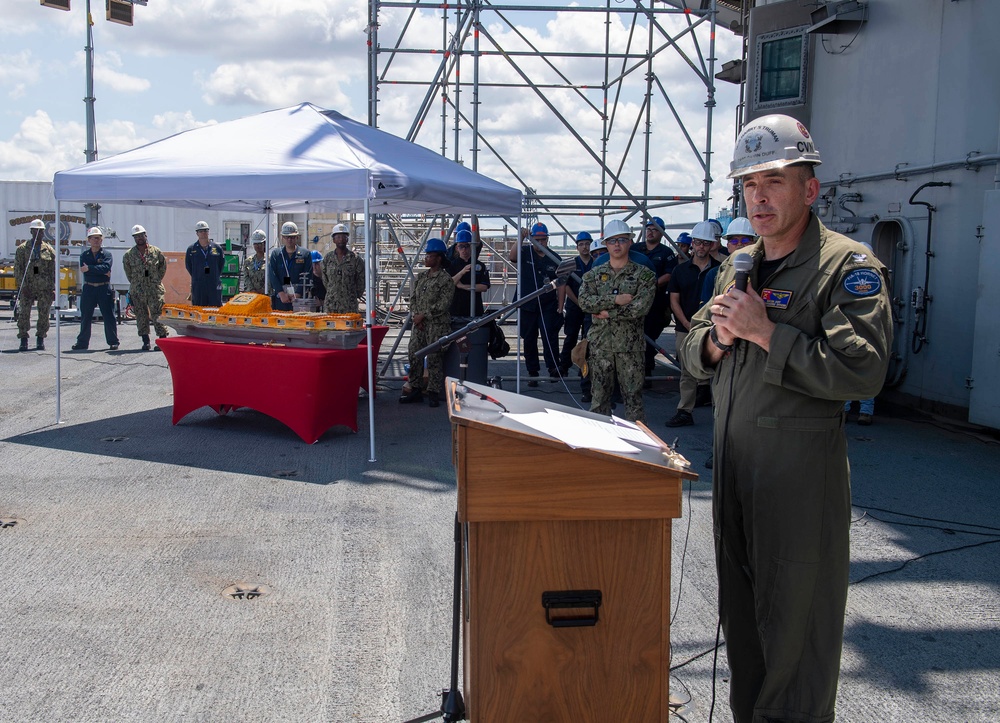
point(301, 159)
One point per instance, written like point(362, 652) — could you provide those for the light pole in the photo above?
point(91, 152)
point(118, 11)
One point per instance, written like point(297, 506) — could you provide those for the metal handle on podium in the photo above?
point(564, 599)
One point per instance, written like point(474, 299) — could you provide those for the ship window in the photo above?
point(781, 63)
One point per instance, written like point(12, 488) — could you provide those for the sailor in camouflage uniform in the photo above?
point(618, 295)
point(429, 305)
point(38, 259)
point(254, 268)
point(145, 266)
point(343, 276)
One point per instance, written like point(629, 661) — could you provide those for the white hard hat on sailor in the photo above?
point(704, 231)
point(616, 227)
point(739, 226)
point(137, 229)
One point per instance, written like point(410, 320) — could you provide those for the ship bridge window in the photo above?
point(781, 63)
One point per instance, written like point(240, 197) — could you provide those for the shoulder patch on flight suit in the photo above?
point(863, 282)
point(776, 298)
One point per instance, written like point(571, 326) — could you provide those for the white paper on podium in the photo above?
point(622, 428)
point(574, 431)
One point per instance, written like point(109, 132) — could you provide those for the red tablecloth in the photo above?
point(310, 390)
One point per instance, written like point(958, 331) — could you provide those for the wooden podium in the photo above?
point(588, 533)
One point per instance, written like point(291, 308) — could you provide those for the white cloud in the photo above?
point(40, 148)
point(17, 72)
point(272, 84)
point(293, 29)
point(107, 73)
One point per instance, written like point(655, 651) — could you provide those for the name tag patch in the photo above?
point(862, 282)
point(776, 298)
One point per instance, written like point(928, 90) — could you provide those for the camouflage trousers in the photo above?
point(435, 362)
point(26, 297)
point(628, 369)
point(147, 303)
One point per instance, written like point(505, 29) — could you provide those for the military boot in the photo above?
point(432, 399)
point(39, 343)
point(411, 397)
point(145, 342)
point(24, 344)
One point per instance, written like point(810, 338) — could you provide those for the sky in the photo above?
point(188, 63)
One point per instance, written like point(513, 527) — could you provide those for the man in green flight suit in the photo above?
point(617, 295)
point(35, 276)
point(429, 305)
point(145, 266)
point(812, 330)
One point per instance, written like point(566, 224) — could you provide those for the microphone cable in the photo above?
point(737, 352)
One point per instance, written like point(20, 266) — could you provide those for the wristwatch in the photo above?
point(724, 348)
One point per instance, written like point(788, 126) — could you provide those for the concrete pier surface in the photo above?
point(123, 536)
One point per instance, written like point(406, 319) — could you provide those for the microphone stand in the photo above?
point(563, 272)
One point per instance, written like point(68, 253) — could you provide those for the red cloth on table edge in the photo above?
point(310, 390)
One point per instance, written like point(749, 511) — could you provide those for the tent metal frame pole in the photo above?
point(370, 317)
point(58, 306)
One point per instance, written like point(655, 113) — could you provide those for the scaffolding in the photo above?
point(603, 91)
point(592, 80)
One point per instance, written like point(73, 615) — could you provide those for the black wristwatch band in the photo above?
point(725, 348)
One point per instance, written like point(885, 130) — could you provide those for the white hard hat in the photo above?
point(340, 228)
point(289, 229)
point(739, 226)
point(704, 230)
point(37, 223)
point(596, 245)
point(201, 226)
point(772, 141)
point(616, 228)
point(258, 237)
point(95, 231)
point(137, 229)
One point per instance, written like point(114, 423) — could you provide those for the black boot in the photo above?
point(432, 399)
point(412, 397)
point(24, 344)
point(39, 343)
point(145, 342)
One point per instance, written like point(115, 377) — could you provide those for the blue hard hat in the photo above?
point(435, 245)
point(539, 229)
point(464, 226)
point(656, 221)
point(463, 237)
point(684, 238)
point(584, 236)
point(317, 257)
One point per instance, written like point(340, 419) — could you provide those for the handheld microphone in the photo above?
point(743, 263)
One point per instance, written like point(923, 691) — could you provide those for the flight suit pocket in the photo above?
point(783, 614)
point(804, 315)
